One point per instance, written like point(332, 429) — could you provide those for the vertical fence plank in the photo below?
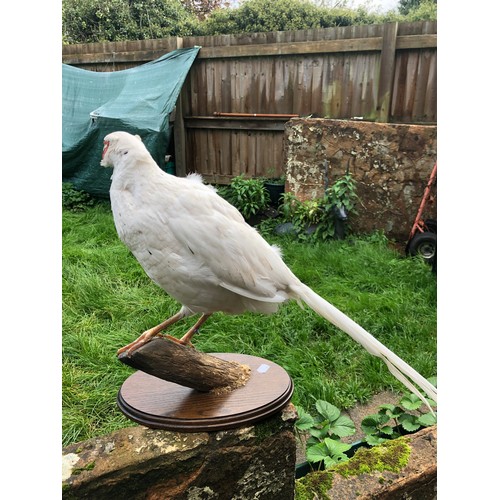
point(387, 60)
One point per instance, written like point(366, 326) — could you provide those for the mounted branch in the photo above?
point(185, 366)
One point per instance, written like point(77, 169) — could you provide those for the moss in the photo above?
point(79, 470)
point(389, 456)
point(265, 429)
point(315, 483)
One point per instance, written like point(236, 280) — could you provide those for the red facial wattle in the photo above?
point(106, 146)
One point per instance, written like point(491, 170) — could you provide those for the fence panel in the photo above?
point(381, 73)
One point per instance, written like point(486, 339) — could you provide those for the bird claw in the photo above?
point(130, 348)
point(139, 342)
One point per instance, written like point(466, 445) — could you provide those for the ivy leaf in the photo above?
point(327, 410)
point(343, 426)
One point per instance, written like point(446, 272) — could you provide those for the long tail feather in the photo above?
point(399, 368)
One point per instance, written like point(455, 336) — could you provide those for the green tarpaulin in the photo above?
point(137, 100)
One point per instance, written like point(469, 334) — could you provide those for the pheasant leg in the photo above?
point(186, 339)
point(152, 332)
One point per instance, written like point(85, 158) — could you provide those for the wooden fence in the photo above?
point(384, 73)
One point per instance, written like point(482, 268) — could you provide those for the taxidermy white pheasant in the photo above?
point(199, 249)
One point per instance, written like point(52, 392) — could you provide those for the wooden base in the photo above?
point(161, 404)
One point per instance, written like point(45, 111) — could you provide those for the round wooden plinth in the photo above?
point(160, 404)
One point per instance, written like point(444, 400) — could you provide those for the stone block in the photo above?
point(141, 463)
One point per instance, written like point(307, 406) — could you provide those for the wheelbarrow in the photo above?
point(423, 235)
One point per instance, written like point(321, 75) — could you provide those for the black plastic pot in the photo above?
point(275, 190)
point(305, 467)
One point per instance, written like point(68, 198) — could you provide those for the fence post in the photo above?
point(386, 76)
point(179, 128)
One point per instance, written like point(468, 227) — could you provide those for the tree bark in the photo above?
point(186, 366)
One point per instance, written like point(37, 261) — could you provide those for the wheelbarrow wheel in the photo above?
point(425, 245)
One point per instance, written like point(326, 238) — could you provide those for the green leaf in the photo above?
point(388, 407)
point(343, 426)
point(410, 426)
point(390, 411)
point(331, 461)
point(387, 430)
point(427, 419)
point(327, 410)
point(409, 422)
point(374, 440)
point(317, 453)
point(411, 402)
point(305, 420)
point(319, 433)
point(369, 425)
point(312, 441)
point(336, 447)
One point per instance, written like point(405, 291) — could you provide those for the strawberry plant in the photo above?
point(325, 430)
point(391, 421)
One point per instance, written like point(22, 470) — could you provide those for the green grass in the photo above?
point(108, 301)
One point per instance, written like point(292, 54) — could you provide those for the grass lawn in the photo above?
point(108, 301)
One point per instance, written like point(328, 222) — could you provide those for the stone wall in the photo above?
point(138, 463)
point(391, 164)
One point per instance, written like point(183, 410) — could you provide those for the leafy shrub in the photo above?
point(282, 15)
point(114, 20)
point(316, 218)
point(75, 200)
point(249, 196)
point(425, 11)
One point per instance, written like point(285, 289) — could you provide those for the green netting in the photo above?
point(137, 100)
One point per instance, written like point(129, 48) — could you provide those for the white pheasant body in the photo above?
point(198, 248)
point(187, 250)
